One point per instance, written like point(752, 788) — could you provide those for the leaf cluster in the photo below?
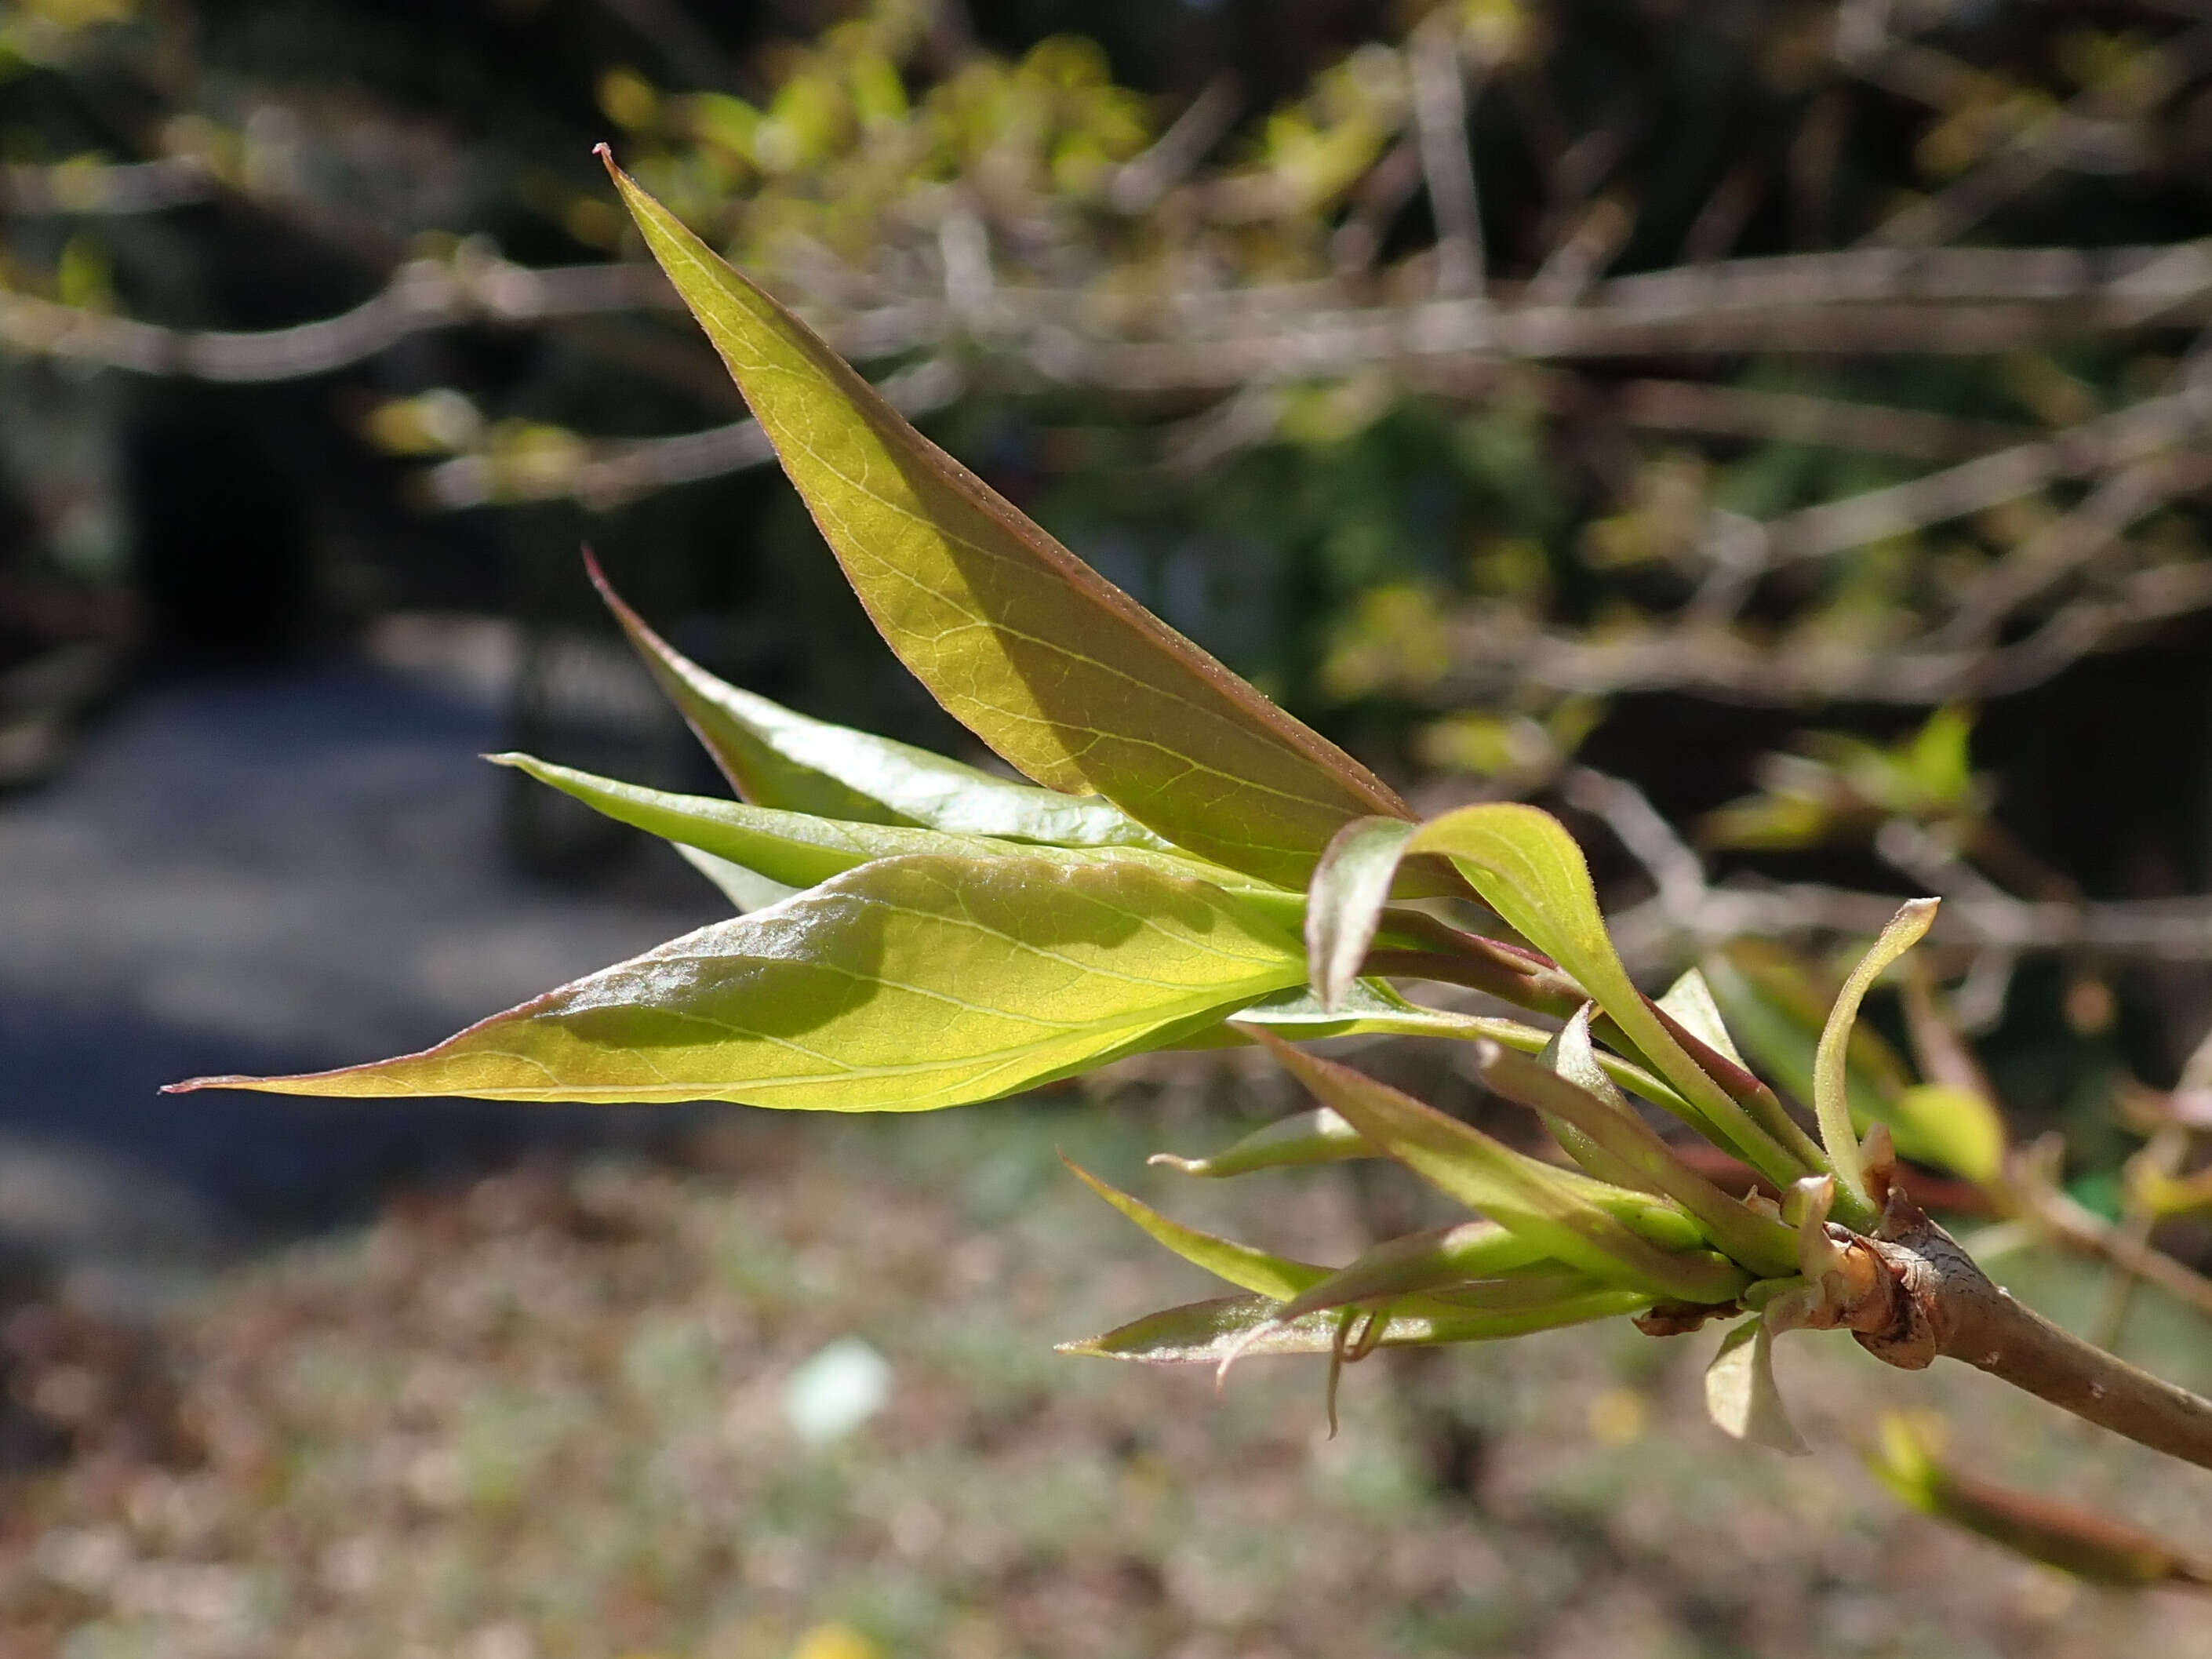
point(1188, 865)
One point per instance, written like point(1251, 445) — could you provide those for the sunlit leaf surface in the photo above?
point(906, 984)
point(1740, 1392)
point(1206, 1333)
point(1580, 1221)
point(1052, 665)
point(799, 850)
point(775, 756)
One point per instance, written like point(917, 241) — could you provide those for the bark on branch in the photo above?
point(1939, 1302)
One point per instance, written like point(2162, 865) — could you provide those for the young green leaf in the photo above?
point(1242, 1328)
point(1572, 1056)
point(1371, 1008)
point(1581, 1222)
point(1061, 672)
point(1436, 1259)
point(1759, 1243)
point(1345, 901)
point(1740, 1392)
point(1528, 869)
point(1298, 1141)
point(800, 850)
point(1275, 1276)
point(746, 890)
point(1831, 1103)
point(1689, 1001)
point(907, 984)
point(775, 758)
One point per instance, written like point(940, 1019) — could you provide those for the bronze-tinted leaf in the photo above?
point(1059, 670)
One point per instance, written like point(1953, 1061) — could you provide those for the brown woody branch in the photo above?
point(1938, 1302)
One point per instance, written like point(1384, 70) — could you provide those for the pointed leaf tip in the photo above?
point(1831, 1082)
point(1057, 670)
point(903, 985)
point(1277, 1278)
point(1529, 869)
point(775, 756)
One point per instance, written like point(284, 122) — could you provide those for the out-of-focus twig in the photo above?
point(1495, 651)
point(605, 475)
point(1140, 181)
point(2083, 128)
point(1688, 913)
point(95, 187)
point(1440, 118)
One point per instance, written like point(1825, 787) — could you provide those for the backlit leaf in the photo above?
point(1275, 1276)
point(799, 850)
point(1739, 1393)
point(1831, 1103)
point(776, 757)
point(1526, 866)
point(1345, 901)
point(907, 984)
point(1065, 676)
point(1603, 1230)
point(1244, 1327)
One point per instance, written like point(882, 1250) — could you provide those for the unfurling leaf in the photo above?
point(1607, 1231)
point(1526, 868)
point(1740, 1392)
point(1244, 1327)
point(1056, 668)
point(907, 984)
point(1759, 1243)
point(776, 757)
point(1428, 1261)
point(1831, 1102)
point(1307, 1137)
point(1345, 900)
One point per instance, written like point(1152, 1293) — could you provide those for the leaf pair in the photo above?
point(1528, 869)
point(1181, 811)
point(1470, 1283)
point(1073, 682)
